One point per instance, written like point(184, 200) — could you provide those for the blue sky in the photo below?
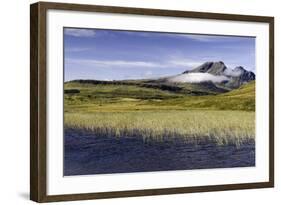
point(117, 55)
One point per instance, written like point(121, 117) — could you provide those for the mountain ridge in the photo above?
point(216, 72)
point(210, 78)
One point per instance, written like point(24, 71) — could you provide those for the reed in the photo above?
point(219, 126)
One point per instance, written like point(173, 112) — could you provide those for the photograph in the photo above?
point(143, 101)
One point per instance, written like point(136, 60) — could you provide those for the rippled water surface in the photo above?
point(85, 154)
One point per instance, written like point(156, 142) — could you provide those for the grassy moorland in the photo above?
point(153, 112)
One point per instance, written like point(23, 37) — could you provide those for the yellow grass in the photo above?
point(222, 127)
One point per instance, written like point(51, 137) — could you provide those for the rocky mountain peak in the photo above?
point(215, 68)
point(239, 68)
point(232, 78)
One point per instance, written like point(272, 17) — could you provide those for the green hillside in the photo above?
point(242, 98)
point(107, 97)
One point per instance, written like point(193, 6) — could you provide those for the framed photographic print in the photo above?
point(135, 102)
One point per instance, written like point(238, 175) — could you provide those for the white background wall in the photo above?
point(14, 101)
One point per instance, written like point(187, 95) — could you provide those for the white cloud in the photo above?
point(119, 63)
point(148, 73)
point(197, 78)
point(185, 63)
point(207, 38)
point(77, 49)
point(76, 32)
point(179, 64)
point(107, 79)
point(197, 37)
point(201, 38)
point(139, 33)
point(231, 72)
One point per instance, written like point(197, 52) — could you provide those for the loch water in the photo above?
point(87, 154)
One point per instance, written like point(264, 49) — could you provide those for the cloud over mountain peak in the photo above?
point(215, 72)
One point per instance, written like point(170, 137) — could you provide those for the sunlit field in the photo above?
point(134, 111)
point(221, 127)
